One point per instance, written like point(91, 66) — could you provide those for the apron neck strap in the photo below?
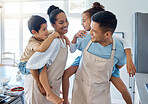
point(88, 45)
point(113, 49)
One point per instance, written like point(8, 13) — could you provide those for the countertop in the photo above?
point(12, 72)
point(141, 79)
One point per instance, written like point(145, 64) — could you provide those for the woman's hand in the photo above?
point(80, 34)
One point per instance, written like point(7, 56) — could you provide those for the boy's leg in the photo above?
point(119, 84)
point(65, 82)
point(45, 83)
point(35, 74)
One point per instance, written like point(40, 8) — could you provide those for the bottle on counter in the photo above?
point(18, 76)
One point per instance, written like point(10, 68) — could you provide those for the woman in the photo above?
point(55, 57)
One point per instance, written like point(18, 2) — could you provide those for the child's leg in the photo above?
point(119, 84)
point(35, 74)
point(45, 83)
point(65, 82)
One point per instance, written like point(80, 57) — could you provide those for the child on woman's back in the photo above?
point(39, 42)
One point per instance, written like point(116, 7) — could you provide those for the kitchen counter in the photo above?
point(141, 79)
point(12, 71)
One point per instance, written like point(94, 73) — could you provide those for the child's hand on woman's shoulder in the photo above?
point(56, 35)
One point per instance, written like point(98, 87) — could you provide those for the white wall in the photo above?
point(124, 10)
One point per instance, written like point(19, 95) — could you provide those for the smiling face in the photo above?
point(86, 21)
point(96, 32)
point(61, 24)
point(42, 34)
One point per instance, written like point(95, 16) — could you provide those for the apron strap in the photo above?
point(88, 45)
point(113, 49)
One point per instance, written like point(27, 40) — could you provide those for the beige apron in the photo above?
point(91, 84)
point(55, 72)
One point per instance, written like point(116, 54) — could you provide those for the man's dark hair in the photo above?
point(35, 22)
point(107, 20)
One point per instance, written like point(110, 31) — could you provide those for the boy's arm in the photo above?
point(45, 45)
point(131, 69)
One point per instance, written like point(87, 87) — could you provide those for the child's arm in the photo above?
point(67, 40)
point(119, 84)
point(131, 69)
point(45, 45)
point(80, 34)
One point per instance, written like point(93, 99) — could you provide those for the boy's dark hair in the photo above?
point(107, 21)
point(52, 12)
point(35, 22)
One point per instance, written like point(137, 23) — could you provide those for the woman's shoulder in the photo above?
point(56, 41)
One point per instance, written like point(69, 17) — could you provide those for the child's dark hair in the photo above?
point(35, 22)
point(107, 21)
point(52, 12)
point(96, 7)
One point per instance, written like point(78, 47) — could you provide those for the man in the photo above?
point(91, 84)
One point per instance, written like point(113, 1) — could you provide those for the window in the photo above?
point(76, 6)
point(15, 14)
point(11, 8)
point(11, 36)
point(40, 6)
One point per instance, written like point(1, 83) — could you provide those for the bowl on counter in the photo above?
point(4, 79)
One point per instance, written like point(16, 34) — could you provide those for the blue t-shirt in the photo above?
point(101, 51)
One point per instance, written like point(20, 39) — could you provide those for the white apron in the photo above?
point(54, 72)
point(91, 84)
